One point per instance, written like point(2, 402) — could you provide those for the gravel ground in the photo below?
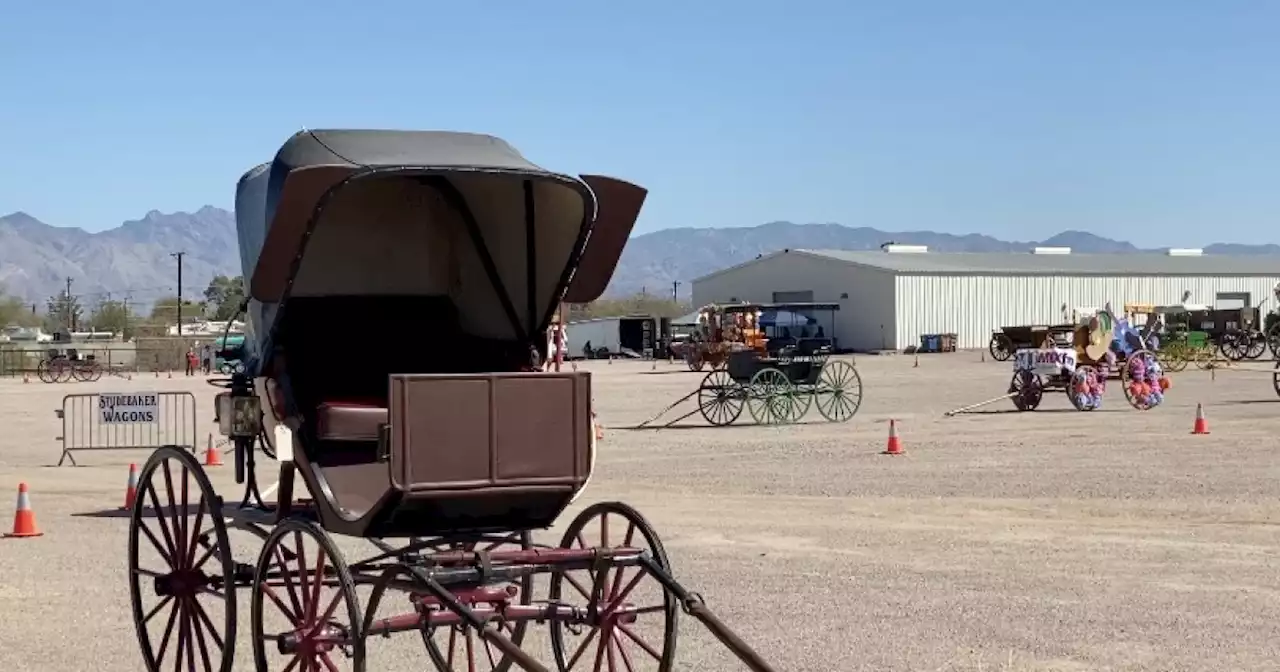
point(1053, 540)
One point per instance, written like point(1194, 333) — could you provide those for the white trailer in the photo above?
point(632, 336)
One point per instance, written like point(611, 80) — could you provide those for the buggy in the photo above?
point(723, 329)
point(443, 463)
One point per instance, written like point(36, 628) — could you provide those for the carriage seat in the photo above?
point(350, 420)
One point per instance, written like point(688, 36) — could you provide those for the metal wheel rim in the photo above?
point(148, 498)
point(1256, 346)
point(720, 398)
point(1029, 388)
point(670, 607)
point(768, 397)
point(840, 392)
point(1000, 347)
point(271, 561)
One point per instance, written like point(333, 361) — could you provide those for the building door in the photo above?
point(805, 296)
point(1232, 300)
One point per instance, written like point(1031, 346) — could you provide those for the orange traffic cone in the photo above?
point(1202, 425)
point(212, 458)
point(24, 519)
point(131, 490)
point(894, 447)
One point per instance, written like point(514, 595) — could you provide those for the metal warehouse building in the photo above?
point(889, 298)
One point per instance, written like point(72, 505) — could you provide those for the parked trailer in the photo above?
point(613, 336)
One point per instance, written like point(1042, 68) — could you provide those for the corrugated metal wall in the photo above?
point(972, 306)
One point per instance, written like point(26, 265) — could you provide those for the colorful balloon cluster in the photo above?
point(1087, 388)
point(1147, 382)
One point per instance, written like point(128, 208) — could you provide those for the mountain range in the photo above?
point(134, 260)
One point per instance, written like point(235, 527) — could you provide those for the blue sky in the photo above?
point(1152, 121)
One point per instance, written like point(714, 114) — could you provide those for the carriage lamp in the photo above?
point(239, 416)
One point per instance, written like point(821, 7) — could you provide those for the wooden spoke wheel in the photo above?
point(44, 372)
point(181, 575)
point(1234, 346)
point(1273, 339)
point(694, 359)
point(1204, 358)
point(459, 648)
point(86, 372)
point(635, 624)
point(721, 398)
point(838, 393)
point(1027, 389)
point(1088, 377)
point(1257, 345)
point(305, 611)
point(62, 370)
point(1275, 378)
point(1174, 357)
point(770, 397)
point(1000, 347)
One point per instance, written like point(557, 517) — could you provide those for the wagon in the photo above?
point(1005, 341)
point(723, 329)
point(780, 389)
point(444, 463)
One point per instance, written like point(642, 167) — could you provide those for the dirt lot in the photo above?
point(1053, 540)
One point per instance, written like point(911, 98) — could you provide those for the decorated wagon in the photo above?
point(443, 462)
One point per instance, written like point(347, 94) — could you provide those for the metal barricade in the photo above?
point(126, 421)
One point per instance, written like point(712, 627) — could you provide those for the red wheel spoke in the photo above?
point(304, 587)
point(488, 651)
point(622, 651)
point(164, 523)
point(630, 587)
point(333, 606)
point(178, 546)
point(648, 610)
point(604, 531)
point(156, 609)
point(600, 647)
point(168, 632)
point(271, 595)
point(208, 623)
point(639, 642)
point(292, 664)
point(296, 615)
point(198, 628)
point(318, 581)
point(196, 528)
point(586, 641)
point(155, 543)
point(582, 543)
point(328, 663)
point(453, 640)
point(469, 639)
point(609, 650)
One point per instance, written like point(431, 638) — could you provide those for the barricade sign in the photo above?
point(126, 421)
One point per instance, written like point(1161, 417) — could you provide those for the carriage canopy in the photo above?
point(461, 216)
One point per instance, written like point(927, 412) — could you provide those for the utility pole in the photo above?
point(178, 256)
point(675, 292)
point(67, 314)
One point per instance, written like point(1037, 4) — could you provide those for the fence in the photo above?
point(141, 355)
point(126, 421)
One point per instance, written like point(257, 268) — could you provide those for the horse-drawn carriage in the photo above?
point(456, 457)
point(1079, 360)
point(723, 329)
point(775, 388)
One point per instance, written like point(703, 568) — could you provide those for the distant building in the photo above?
point(889, 298)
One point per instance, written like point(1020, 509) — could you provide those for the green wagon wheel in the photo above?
point(838, 393)
point(769, 397)
point(720, 398)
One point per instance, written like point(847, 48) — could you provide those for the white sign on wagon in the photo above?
point(128, 409)
point(1050, 361)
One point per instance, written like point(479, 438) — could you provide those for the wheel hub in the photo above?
point(181, 583)
point(308, 643)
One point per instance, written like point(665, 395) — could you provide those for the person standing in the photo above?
point(191, 362)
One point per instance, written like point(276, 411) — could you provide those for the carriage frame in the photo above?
point(450, 537)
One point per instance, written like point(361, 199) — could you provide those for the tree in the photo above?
point(223, 296)
point(63, 311)
point(13, 312)
point(112, 316)
point(640, 304)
